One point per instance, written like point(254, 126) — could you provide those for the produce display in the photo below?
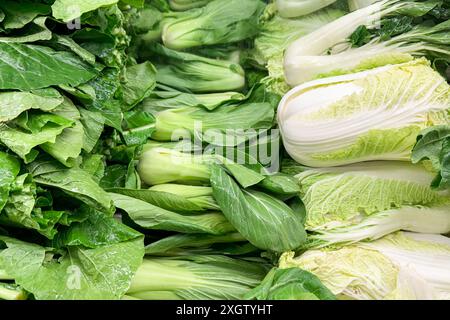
point(224, 149)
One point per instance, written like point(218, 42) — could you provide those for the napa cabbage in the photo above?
point(305, 55)
point(370, 115)
point(369, 200)
point(400, 266)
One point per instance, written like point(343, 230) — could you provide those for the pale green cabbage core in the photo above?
point(402, 265)
point(277, 33)
point(345, 195)
point(370, 115)
point(370, 200)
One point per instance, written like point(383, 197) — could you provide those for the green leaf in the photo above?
point(219, 22)
point(183, 242)
point(290, 284)
point(140, 80)
point(93, 124)
point(20, 13)
point(98, 230)
point(27, 67)
point(67, 10)
point(12, 104)
point(74, 181)
point(9, 169)
point(281, 184)
point(152, 217)
point(67, 42)
point(264, 221)
point(30, 130)
point(433, 145)
point(79, 274)
point(35, 31)
point(138, 127)
point(164, 200)
point(72, 136)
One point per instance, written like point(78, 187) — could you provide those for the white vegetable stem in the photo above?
point(319, 41)
point(297, 8)
point(358, 4)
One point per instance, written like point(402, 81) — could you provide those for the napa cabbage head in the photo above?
point(421, 40)
point(333, 37)
point(370, 115)
point(276, 34)
point(400, 266)
point(369, 200)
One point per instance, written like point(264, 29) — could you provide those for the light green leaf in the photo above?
point(26, 67)
point(152, 217)
point(67, 10)
point(264, 221)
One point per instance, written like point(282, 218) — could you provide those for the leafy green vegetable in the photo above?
point(181, 5)
point(27, 67)
point(264, 221)
point(152, 217)
point(290, 284)
point(196, 277)
point(69, 10)
point(180, 243)
point(433, 144)
point(79, 273)
point(193, 73)
point(74, 181)
point(219, 22)
point(307, 58)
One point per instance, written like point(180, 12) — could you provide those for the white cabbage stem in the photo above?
point(326, 37)
point(415, 219)
point(358, 4)
point(297, 8)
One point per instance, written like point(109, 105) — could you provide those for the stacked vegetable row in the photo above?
point(203, 186)
point(372, 124)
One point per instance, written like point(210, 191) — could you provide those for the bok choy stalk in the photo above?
point(290, 284)
point(196, 277)
point(369, 200)
point(421, 40)
point(358, 4)
point(11, 292)
point(199, 195)
point(371, 115)
point(143, 211)
point(180, 244)
point(319, 42)
point(173, 99)
point(226, 121)
point(182, 5)
point(276, 34)
point(218, 22)
point(193, 73)
point(297, 8)
point(400, 266)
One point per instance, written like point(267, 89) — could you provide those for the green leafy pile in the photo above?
point(63, 82)
point(267, 150)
